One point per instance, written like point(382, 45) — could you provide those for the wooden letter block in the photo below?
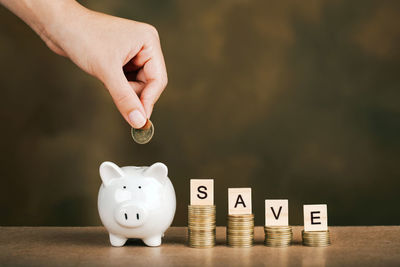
point(276, 212)
point(202, 192)
point(239, 201)
point(315, 217)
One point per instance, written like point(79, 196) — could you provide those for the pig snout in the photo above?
point(130, 215)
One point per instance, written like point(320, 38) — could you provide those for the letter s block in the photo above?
point(202, 192)
point(315, 217)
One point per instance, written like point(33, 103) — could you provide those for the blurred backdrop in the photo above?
point(296, 99)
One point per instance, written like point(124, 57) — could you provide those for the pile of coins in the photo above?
point(316, 238)
point(240, 230)
point(278, 236)
point(201, 228)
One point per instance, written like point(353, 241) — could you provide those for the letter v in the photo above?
point(279, 212)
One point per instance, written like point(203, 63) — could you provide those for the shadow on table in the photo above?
point(86, 237)
point(83, 237)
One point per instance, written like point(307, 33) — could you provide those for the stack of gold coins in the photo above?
point(278, 236)
point(240, 230)
point(201, 228)
point(316, 238)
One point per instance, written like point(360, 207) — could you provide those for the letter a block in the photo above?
point(239, 201)
point(315, 218)
point(202, 192)
point(276, 212)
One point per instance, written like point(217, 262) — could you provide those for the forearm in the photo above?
point(45, 17)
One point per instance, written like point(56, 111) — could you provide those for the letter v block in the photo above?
point(202, 192)
point(315, 218)
point(239, 201)
point(276, 212)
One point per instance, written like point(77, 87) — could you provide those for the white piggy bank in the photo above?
point(136, 202)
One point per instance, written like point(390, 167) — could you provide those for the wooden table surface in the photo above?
point(89, 246)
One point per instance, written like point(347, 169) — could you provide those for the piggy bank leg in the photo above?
point(153, 241)
point(117, 241)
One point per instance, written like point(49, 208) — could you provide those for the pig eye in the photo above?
point(124, 187)
point(140, 187)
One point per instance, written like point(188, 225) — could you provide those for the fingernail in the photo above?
point(137, 119)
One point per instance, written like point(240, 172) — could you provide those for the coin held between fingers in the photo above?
point(137, 118)
point(144, 134)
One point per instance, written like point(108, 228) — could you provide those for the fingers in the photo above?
point(155, 74)
point(150, 94)
point(137, 87)
point(126, 99)
point(151, 78)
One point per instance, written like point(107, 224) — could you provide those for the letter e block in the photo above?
point(202, 192)
point(239, 201)
point(276, 212)
point(315, 217)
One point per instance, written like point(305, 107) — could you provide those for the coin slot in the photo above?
point(137, 216)
point(126, 216)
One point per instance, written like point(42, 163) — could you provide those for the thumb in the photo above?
point(126, 100)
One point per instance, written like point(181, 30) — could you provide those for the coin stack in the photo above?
point(201, 228)
point(278, 236)
point(316, 238)
point(240, 230)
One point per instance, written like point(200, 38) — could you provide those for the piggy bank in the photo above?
point(136, 202)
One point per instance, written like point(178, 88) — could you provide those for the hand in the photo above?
point(125, 55)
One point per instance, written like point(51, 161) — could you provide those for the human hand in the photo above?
point(124, 54)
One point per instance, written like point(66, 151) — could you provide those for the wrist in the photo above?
point(51, 18)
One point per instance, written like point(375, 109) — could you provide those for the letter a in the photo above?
point(240, 200)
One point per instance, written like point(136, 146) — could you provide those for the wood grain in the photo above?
point(83, 246)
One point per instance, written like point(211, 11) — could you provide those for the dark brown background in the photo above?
point(296, 99)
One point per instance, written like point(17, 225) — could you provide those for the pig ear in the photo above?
point(158, 170)
point(109, 171)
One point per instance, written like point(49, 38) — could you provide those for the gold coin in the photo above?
point(199, 242)
point(201, 223)
point(241, 223)
point(201, 226)
point(240, 226)
point(240, 230)
point(201, 207)
point(316, 238)
point(278, 236)
point(240, 245)
point(144, 134)
point(201, 232)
